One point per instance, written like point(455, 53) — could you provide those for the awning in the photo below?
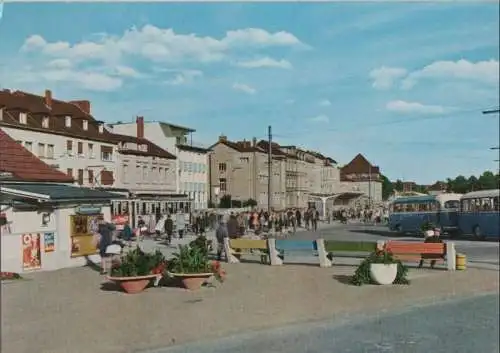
point(51, 193)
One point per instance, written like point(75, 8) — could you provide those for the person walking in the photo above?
point(180, 222)
point(106, 231)
point(220, 234)
point(169, 229)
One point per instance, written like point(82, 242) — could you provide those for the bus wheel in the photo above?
point(399, 229)
point(477, 233)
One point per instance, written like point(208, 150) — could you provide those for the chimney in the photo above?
point(84, 105)
point(222, 138)
point(48, 98)
point(140, 127)
point(254, 142)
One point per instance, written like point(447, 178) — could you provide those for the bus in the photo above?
point(480, 214)
point(408, 214)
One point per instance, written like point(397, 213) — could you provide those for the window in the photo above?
point(160, 173)
point(154, 175)
point(50, 151)
point(69, 171)
point(138, 173)
point(144, 174)
point(244, 159)
point(85, 125)
point(107, 153)
point(67, 121)
point(124, 173)
point(222, 167)
point(452, 204)
point(80, 147)
point(69, 146)
point(91, 150)
point(222, 184)
point(45, 122)
point(23, 118)
point(41, 150)
point(28, 146)
point(20, 142)
point(80, 176)
point(91, 177)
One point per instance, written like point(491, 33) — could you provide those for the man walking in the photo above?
point(220, 234)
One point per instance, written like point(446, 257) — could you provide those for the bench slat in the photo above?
point(396, 248)
point(350, 246)
point(247, 244)
point(285, 244)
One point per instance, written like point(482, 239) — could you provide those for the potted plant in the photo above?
point(428, 229)
point(192, 266)
point(136, 269)
point(380, 267)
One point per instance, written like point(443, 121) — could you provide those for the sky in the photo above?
point(402, 83)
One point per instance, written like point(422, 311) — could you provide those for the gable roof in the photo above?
point(36, 109)
point(240, 146)
point(152, 149)
point(24, 166)
point(359, 165)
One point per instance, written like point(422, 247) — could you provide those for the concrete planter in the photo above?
point(133, 285)
point(192, 281)
point(383, 273)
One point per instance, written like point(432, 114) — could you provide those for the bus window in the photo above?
point(486, 204)
point(410, 207)
point(496, 203)
point(434, 206)
point(452, 204)
point(423, 207)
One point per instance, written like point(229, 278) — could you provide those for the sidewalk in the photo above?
point(76, 310)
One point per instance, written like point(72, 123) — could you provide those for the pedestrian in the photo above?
point(180, 222)
point(169, 229)
point(106, 239)
point(221, 233)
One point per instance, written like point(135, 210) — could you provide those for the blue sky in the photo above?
point(402, 83)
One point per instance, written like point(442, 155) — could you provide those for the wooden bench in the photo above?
point(363, 248)
point(418, 251)
point(278, 248)
point(235, 248)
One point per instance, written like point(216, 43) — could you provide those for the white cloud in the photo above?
point(126, 71)
point(384, 77)
point(244, 88)
point(265, 62)
point(400, 106)
point(184, 77)
point(320, 119)
point(59, 64)
point(162, 45)
point(481, 71)
point(325, 103)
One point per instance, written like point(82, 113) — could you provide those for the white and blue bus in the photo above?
point(408, 214)
point(480, 214)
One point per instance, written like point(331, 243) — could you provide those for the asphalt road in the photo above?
point(479, 253)
point(460, 326)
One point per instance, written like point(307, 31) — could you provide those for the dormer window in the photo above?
point(1, 114)
point(23, 118)
point(45, 122)
point(101, 128)
point(67, 121)
point(85, 125)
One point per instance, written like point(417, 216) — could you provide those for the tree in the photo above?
point(488, 181)
point(387, 188)
point(225, 201)
point(398, 185)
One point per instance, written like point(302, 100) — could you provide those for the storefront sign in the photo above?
point(88, 210)
point(32, 258)
point(49, 242)
point(82, 229)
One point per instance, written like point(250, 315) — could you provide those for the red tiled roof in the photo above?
point(359, 165)
point(36, 108)
point(24, 166)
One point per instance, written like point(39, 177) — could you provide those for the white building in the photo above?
point(62, 134)
point(191, 176)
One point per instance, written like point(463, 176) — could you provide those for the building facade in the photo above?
point(62, 134)
point(191, 165)
point(359, 175)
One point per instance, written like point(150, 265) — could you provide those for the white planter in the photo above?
point(383, 274)
point(429, 233)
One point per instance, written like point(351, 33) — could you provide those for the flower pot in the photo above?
point(383, 273)
point(133, 285)
point(192, 281)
